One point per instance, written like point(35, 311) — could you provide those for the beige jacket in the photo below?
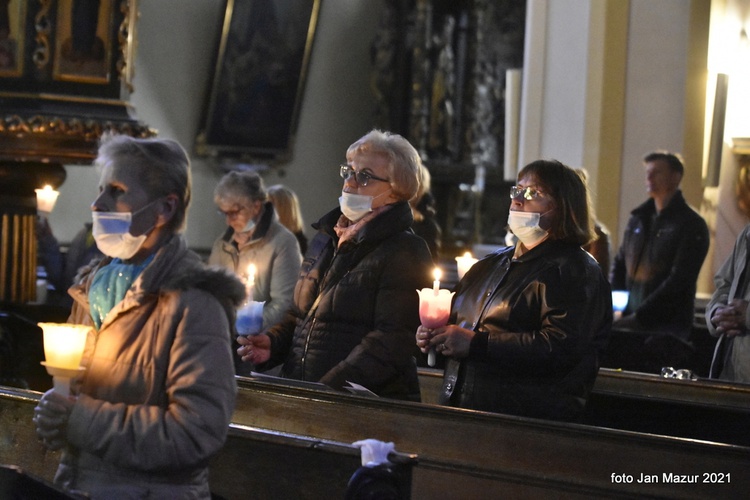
point(159, 390)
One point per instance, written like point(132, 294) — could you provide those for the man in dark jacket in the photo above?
point(658, 262)
point(355, 303)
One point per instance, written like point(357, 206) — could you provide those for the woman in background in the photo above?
point(255, 236)
point(286, 204)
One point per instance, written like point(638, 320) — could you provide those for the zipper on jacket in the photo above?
point(307, 345)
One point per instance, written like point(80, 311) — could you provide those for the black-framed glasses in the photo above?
point(362, 178)
point(528, 193)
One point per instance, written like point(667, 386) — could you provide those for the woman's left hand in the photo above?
point(451, 340)
point(51, 419)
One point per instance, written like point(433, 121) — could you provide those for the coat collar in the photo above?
point(399, 218)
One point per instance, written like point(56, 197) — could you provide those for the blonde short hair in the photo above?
point(404, 163)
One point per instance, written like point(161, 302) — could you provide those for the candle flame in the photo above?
point(468, 255)
point(251, 270)
point(437, 273)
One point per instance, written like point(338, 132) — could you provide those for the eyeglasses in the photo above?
point(529, 193)
point(362, 178)
point(230, 213)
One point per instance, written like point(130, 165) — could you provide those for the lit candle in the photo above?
point(63, 349)
point(463, 263)
point(434, 309)
point(251, 270)
point(46, 198)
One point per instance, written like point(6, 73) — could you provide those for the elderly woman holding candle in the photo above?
point(355, 302)
point(529, 323)
point(255, 237)
point(157, 394)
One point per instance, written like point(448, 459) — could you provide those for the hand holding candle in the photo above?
point(434, 308)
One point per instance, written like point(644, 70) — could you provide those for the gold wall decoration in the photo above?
point(43, 28)
point(12, 38)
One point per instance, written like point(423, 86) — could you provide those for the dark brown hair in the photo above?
point(570, 196)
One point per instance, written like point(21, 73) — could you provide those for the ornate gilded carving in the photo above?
point(43, 28)
point(87, 129)
point(126, 41)
point(421, 76)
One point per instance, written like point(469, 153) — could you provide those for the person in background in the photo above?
point(355, 303)
point(423, 210)
point(62, 268)
point(662, 251)
point(599, 247)
point(255, 236)
point(157, 395)
point(286, 204)
point(529, 323)
point(727, 315)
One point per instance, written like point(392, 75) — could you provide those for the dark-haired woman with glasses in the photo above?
point(529, 322)
point(355, 303)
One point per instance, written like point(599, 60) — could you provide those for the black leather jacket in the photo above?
point(363, 328)
point(659, 261)
point(542, 322)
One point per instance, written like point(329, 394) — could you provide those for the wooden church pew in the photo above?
point(471, 454)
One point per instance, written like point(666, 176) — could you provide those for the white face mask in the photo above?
point(249, 226)
point(355, 206)
point(525, 225)
point(111, 232)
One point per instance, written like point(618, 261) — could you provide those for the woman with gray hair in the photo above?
point(255, 237)
point(157, 394)
point(355, 303)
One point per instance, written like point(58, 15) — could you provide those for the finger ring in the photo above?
point(442, 347)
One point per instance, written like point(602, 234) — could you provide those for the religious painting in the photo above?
point(12, 34)
point(84, 30)
point(260, 76)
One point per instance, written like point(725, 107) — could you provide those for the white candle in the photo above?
point(46, 198)
point(63, 350)
point(463, 263)
point(436, 284)
point(251, 270)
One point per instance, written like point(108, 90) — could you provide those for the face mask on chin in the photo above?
point(111, 231)
point(525, 225)
point(249, 226)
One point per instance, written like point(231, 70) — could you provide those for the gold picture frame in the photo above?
point(12, 36)
point(83, 36)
